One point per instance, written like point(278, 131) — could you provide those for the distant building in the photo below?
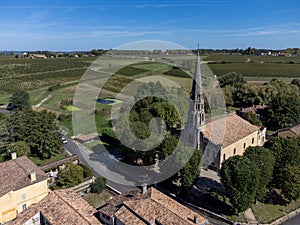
point(83, 138)
point(290, 131)
point(22, 184)
point(38, 56)
point(59, 207)
point(150, 207)
point(257, 110)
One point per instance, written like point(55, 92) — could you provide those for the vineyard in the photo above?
point(255, 67)
point(28, 74)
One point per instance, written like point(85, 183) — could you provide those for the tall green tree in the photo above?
point(286, 153)
point(264, 160)
point(190, 172)
point(4, 134)
point(283, 110)
point(240, 177)
point(232, 79)
point(37, 129)
point(20, 100)
point(291, 184)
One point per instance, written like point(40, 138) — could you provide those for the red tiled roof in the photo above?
point(15, 174)
point(127, 217)
point(229, 129)
point(154, 207)
point(296, 128)
point(61, 207)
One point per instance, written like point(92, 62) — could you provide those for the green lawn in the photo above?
point(98, 200)
point(43, 162)
point(266, 213)
point(92, 144)
point(72, 108)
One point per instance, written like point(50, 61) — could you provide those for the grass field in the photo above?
point(255, 67)
point(72, 108)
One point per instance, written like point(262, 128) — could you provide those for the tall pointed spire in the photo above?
point(196, 109)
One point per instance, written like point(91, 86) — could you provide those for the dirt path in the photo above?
point(41, 102)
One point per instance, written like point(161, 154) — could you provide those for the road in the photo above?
point(293, 221)
point(92, 161)
point(89, 160)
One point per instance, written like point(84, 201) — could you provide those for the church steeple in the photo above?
point(196, 110)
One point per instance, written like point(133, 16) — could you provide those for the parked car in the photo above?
point(64, 140)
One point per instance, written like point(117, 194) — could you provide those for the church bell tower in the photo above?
point(196, 116)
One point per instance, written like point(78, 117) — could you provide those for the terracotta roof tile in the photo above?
point(15, 174)
point(61, 207)
point(229, 129)
point(114, 204)
point(127, 217)
point(296, 128)
point(154, 207)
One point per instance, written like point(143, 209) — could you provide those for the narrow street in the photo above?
point(94, 164)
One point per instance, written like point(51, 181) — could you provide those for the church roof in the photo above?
point(228, 130)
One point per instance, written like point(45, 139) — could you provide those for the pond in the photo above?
point(108, 101)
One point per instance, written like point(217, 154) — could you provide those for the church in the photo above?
point(219, 137)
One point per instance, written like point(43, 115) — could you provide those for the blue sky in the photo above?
point(85, 25)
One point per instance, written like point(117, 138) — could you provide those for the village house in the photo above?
point(288, 132)
point(62, 206)
point(148, 207)
point(22, 184)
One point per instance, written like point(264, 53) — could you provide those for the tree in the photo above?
point(228, 95)
point(167, 112)
point(264, 160)
point(21, 148)
point(71, 175)
point(232, 79)
point(99, 185)
point(190, 172)
point(291, 184)
point(283, 110)
point(296, 82)
point(252, 118)
point(240, 177)
point(4, 134)
point(37, 129)
point(287, 158)
point(20, 100)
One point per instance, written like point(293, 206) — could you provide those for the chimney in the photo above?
point(32, 176)
point(144, 188)
point(13, 155)
point(196, 221)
